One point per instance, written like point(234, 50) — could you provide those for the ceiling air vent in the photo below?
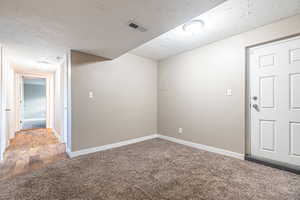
point(136, 26)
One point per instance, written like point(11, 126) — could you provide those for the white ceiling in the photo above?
point(19, 64)
point(36, 30)
point(230, 18)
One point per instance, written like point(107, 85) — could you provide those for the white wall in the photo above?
point(59, 101)
point(57, 96)
point(7, 102)
point(10, 102)
point(192, 87)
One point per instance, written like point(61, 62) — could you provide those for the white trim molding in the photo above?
point(57, 135)
point(204, 147)
point(109, 146)
point(2, 138)
point(67, 102)
point(149, 137)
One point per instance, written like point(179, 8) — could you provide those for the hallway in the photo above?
point(29, 150)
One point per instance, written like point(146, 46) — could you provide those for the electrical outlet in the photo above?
point(180, 130)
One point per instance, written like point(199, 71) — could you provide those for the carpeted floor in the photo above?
point(152, 170)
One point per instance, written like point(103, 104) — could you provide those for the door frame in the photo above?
point(2, 104)
point(248, 105)
point(67, 102)
point(4, 73)
point(49, 97)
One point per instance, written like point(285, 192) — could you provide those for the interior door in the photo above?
point(275, 101)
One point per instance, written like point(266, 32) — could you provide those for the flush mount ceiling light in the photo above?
point(194, 26)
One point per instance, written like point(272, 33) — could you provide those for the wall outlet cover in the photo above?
point(180, 130)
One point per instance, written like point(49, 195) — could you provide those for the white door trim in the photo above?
point(65, 135)
point(4, 68)
point(49, 93)
point(274, 42)
point(68, 105)
point(2, 108)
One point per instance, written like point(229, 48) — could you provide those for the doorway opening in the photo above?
point(33, 103)
point(35, 122)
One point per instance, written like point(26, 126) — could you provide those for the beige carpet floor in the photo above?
point(153, 170)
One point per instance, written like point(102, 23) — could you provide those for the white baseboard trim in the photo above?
point(204, 147)
point(172, 139)
point(57, 135)
point(68, 151)
point(109, 146)
point(1, 156)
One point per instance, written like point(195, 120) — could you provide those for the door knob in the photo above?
point(255, 106)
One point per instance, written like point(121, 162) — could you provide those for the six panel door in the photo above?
point(275, 101)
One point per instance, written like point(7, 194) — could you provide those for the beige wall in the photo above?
point(124, 103)
point(192, 87)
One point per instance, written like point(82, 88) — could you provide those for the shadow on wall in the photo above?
point(83, 58)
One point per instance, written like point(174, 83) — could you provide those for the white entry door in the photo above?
point(275, 101)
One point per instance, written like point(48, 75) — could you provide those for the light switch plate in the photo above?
point(180, 130)
point(229, 92)
point(91, 95)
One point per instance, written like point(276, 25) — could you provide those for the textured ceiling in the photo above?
point(230, 18)
point(36, 30)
